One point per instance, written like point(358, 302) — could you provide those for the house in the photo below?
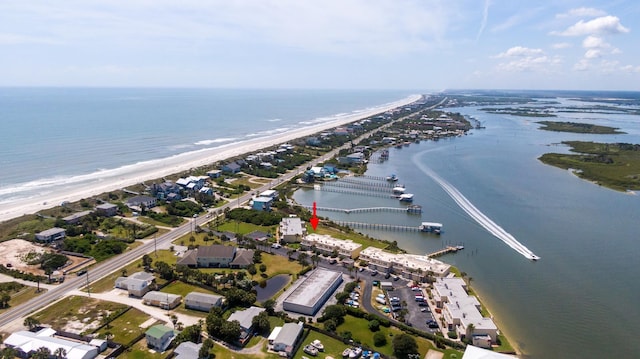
point(331, 169)
point(141, 201)
point(353, 158)
point(187, 350)
point(137, 284)
point(313, 141)
point(161, 299)
point(215, 256)
point(262, 203)
point(208, 191)
point(292, 230)
point(76, 217)
point(245, 318)
point(51, 234)
point(159, 337)
point(473, 352)
point(285, 341)
point(214, 173)
point(202, 301)
point(271, 193)
point(166, 191)
point(232, 167)
point(26, 343)
point(107, 209)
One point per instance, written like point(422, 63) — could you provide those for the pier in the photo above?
point(449, 249)
point(367, 186)
point(366, 182)
point(379, 226)
point(340, 190)
point(414, 209)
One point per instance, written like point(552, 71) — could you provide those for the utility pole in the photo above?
point(88, 288)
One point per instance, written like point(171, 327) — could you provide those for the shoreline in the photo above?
point(132, 174)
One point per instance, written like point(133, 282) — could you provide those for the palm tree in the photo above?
point(31, 322)
point(315, 259)
point(60, 353)
point(42, 353)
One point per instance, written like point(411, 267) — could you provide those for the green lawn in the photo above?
point(354, 236)
point(140, 351)
point(126, 327)
point(277, 264)
point(332, 347)
point(244, 228)
point(107, 283)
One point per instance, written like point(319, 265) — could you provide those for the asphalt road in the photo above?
point(103, 269)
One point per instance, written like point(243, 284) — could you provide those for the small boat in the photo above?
point(406, 197)
point(346, 352)
point(355, 353)
point(431, 227)
point(311, 350)
point(398, 189)
point(392, 178)
point(318, 345)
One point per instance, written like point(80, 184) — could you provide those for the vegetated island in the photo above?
point(613, 165)
point(578, 127)
point(520, 111)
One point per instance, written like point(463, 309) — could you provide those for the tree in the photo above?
point(189, 334)
point(42, 353)
point(404, 346)
point(379, 339)
point(261, 323)
point(269, 305)
point(146, 261)
point(8, 353)
point(205, 350)
point(315, 259)
point(263, 268)
point(31, 322)
point(374, 325)
point(4, 299)
point(230, 331)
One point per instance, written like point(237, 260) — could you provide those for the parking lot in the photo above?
point(417, 315)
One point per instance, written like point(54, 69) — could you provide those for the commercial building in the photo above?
point(202, 301)
point(312, 292)
point(26, 343)
point(411, 266)
point(461, 312)
point(329, 245)
point(292, 230)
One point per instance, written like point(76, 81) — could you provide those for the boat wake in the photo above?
point(475, 213)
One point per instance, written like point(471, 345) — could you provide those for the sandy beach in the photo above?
point(115, 179)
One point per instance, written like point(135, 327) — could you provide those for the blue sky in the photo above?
point(352, 44)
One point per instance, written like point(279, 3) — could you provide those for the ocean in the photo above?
point(580, 300)
point(52, 138)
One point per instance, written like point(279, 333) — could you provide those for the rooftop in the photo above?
point(245, 317)
point(327, 240)
point(313, 287)
point(158, 331)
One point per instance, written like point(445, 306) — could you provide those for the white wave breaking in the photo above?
point(475, 213)
point(217, 140)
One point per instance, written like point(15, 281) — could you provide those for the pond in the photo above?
point(274, 284)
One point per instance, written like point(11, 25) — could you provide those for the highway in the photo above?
point(100, 270)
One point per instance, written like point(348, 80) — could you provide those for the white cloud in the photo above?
point(517, 51)
point(594, 42)
point(561, 45)
point(606, 25)
point(581, 12)
point(485, 15)
point(592, 53)
point(522, 59)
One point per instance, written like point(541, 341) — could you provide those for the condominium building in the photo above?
point(461, 312)
point(328, 245)
point(411, 266)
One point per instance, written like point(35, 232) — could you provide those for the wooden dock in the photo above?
point(449, 249)
point(413, 209)
point(379, 226)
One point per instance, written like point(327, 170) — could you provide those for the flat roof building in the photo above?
point(202, 301)
point(313, 292)
point(26, 343)
point(411, 266)
point(328, 245)
point(51, 234)
point(162, 299)
point(292, 230)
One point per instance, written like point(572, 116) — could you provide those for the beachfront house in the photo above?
point(167, 191)
point(353, 158)
point(159, 337)
point(51, 234)
point(138, 202)
point(232, 167)
point(76, 217)
point(107, 209)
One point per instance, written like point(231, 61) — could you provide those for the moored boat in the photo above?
point(406, 197)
